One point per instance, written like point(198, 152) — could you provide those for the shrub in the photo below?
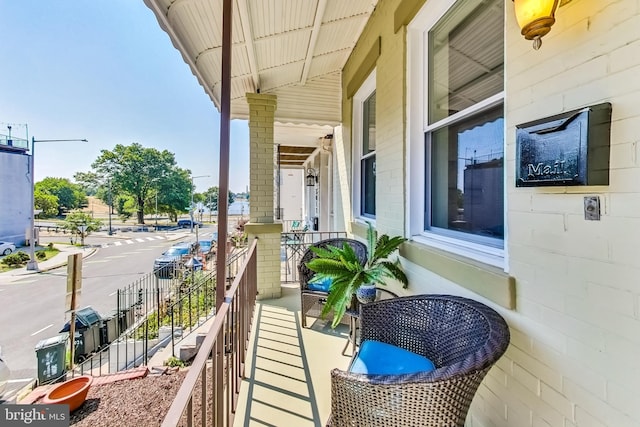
point(174, 361)
point(50, 246)
point(16, 259)
point(41, 255)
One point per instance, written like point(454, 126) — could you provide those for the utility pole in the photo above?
point(192, 207)
point(110, 207)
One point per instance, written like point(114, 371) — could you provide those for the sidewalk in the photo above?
point(57, 261)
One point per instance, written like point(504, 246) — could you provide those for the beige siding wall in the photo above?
point(390, 114)
point(576, 326)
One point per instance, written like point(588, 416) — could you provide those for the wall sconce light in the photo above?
point(535, 18)
point(311, 177)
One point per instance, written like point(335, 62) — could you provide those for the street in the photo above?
point(33, 307)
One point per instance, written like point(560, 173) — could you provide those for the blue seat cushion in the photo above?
point(320, 285)
point(378, 358)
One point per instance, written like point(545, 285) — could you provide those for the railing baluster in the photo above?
point(225, 344)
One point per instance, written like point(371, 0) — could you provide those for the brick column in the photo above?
point(262, 165)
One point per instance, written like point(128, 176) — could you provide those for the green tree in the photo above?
point(70, 196)
point(211, 198)
point(89, 182)
point(81, 224)
point(125, 207)
point(47, 203)
point(174, 193)
point(136, 171)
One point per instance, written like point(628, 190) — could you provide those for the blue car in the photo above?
point(167, 263)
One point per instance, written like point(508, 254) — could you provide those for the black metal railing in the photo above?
point(166, 305)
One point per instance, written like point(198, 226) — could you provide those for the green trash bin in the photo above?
point(51, 355)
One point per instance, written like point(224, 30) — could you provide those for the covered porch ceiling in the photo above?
point(294, 49)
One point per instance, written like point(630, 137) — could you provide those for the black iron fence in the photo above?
point(166, 305)
point(195, 300)
point(209, 393)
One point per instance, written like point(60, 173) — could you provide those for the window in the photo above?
point(364, 122)
point(457, 176)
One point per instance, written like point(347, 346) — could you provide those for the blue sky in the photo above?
point(104, 70)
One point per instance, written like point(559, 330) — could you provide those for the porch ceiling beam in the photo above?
point(317, 23)
point(243, 9)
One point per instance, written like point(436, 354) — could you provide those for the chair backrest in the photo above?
point(457, 334)
point(306, 274)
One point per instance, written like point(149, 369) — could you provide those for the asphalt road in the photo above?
point(33, 308)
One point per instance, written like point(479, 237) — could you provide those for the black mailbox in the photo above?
point(571, 148)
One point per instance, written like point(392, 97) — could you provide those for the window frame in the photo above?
point(480, 248)
point(365, 91)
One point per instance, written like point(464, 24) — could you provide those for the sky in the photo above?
point(104, 71)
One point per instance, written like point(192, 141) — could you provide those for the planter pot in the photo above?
point(72, 392)
point(366, 293)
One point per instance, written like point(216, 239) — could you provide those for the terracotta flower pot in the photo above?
point(72, 392)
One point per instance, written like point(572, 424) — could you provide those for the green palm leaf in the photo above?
point(348, 274)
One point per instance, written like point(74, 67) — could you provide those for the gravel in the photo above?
point(140, 402)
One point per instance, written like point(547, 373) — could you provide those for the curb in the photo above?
point(53, 267)
point(43, 270)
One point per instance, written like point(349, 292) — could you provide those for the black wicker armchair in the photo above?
point(462, 337)
point(311, 301)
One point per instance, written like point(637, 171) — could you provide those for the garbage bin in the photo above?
point(51, 355)
point(91, 340)
point(109, 331)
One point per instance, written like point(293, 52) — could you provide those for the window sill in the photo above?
point(483, 279)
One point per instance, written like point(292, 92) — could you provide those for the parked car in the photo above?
point(171, 260)
point(186, 223)
point(5, 374)
point(6, 248)
point(207, 248)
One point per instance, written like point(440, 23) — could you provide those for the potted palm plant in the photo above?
point(349, 277)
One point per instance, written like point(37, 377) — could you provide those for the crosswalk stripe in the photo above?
point(139, 240)
point(151, 239)
point(159, 237)
point(129, 242)
point(104, 245)
point(118, 243)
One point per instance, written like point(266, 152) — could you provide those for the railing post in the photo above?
point(173, 344)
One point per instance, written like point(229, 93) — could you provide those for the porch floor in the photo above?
point(287, 380)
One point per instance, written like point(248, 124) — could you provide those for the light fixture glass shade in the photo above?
point(535, 17)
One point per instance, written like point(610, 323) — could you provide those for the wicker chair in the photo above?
point(311, 301)
point(462, 337)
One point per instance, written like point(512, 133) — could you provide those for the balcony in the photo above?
point(11, 143)
point(261, 362)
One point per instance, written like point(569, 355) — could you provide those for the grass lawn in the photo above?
point(48, 253)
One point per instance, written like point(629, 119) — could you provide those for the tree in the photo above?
point(136, 171)
point(89, 182)
point(47, 203)
point(125, 207)
point(70, 196)
point(174, 193)
point(211, 198)
point(81, 224)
